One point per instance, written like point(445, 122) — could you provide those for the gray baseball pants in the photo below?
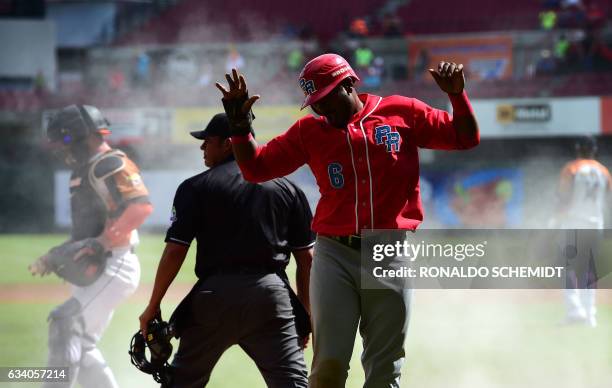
point(339, 306)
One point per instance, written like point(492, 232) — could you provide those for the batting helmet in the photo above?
point(74, 123)
point(322, 74)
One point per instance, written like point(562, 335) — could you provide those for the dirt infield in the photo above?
point(53, 293)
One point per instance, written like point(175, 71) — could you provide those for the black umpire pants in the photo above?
point(250, 310)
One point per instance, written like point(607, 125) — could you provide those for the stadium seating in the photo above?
point(583, 84)
point(214, 20)
point(19, 100)
point(447, 16)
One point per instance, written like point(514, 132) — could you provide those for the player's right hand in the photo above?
point(40, 267)
point(237, 91)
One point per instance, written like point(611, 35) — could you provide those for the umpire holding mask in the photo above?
point(245, 235)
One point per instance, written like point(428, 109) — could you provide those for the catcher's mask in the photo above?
point(158, 342)
point(69, 129)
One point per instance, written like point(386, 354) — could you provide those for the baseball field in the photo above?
point(457, 338)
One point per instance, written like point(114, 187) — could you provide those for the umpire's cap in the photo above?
point(217, 126)
point(322, 74)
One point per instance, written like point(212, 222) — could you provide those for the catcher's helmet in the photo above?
point(74, 123)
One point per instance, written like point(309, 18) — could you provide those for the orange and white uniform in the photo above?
point(583, 188)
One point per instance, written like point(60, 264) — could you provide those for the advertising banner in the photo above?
point(483, 57)
point(483, 198)
point(530, 117)
point(270, 121)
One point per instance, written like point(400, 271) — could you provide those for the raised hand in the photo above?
point(449, 77)
point(237, 103)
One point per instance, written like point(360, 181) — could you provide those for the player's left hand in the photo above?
point(449, 77)
point(237, 104)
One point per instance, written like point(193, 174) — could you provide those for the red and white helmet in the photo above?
point(322, 74)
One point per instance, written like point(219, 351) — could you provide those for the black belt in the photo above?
point(353, 241)
point(243, 269)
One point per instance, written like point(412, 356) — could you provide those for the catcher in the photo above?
point(108, 203)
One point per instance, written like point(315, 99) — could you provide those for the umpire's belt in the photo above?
point(353, 241)
point(243, 269)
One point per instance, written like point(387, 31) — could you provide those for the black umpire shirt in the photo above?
point(237, 223)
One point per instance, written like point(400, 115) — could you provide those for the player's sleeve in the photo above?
point(122, 184)
point(279, 157)
point(301, 235)
point(433, 128)
point(183, 216)
point(566, 178)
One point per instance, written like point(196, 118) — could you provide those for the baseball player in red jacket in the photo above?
point(363, 152)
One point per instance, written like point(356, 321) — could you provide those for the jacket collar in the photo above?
point(370, 102)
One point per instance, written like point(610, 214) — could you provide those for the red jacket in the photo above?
point(364, 184)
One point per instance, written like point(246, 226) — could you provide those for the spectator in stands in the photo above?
point(561, 48)
point(234, 59)
point(359, 28)
point(548, 19)
point(391, 25)
point(205, 75)
point(546, 64)
point(373, 78)
point(143, 69)
point(295, 59)
point(363, 57)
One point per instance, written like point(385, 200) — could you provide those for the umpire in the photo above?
point(245, 234)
